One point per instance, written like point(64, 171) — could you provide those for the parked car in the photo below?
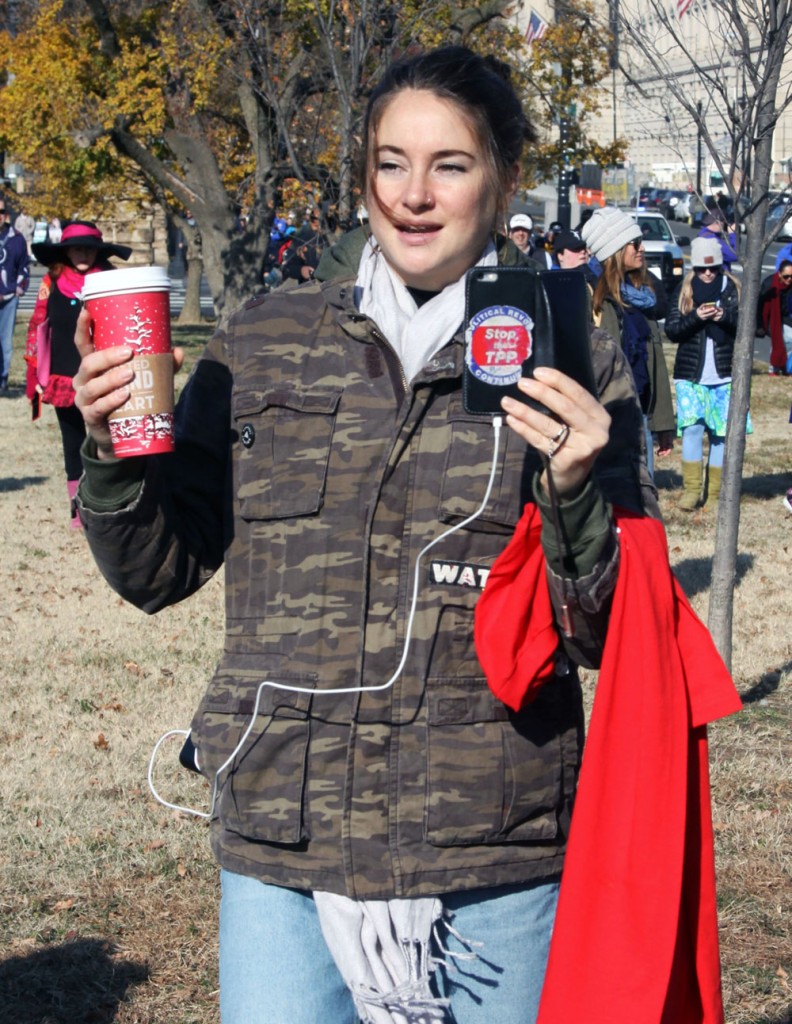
point(781, 211)
point(676, 205)
point(664, 256)
point(640, 199)
point(40, 231)
point(648, 197)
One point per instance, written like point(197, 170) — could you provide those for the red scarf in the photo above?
point(772, 322)
point(635, 937)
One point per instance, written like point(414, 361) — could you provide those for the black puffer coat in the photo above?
point(689, 331)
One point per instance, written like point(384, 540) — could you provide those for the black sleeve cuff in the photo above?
point(109, 485)
point(585, 528)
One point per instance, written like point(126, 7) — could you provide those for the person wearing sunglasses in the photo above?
point(702, 322)
point(628, 302)
point(774, 317)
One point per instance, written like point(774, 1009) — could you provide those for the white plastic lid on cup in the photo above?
point(125, 281)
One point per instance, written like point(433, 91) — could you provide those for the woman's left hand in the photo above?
point(572, 451)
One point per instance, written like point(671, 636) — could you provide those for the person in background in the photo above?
point(26, 225)
point(320, 444)
point(585, 216)
point(570, 253)
point(543, 253)
point(54, 230)
point(302, 257)
point(81, 251)
point(702, 322)
point(774, 316)
point(628, 302)
point(14, 280)
point(784, 254)
point(520, 229)
point(714, 226)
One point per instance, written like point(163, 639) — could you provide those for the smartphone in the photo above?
point(517, 319)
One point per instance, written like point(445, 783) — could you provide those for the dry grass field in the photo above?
point(108, 901)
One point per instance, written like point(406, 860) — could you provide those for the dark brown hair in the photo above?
point(481, 89)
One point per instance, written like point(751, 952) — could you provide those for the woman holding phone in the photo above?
point(702, 321)
point(366, 775)
point(628, 303)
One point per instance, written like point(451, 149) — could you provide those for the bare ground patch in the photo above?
point(108, 902)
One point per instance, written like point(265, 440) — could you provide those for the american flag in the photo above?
point(537, 27)
point(682, 7)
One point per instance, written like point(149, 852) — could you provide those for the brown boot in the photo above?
point(713, 487)
point(692, 481)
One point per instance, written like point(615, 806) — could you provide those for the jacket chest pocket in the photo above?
point(468, 465)
point(283, 442)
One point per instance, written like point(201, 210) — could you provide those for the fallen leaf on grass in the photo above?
point(155, 844)
point(101, 743)
point(114, 706)
point(64, 905)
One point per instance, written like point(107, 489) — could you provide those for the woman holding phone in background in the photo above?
point(702, 321)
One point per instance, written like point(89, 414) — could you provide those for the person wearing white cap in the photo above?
point(628, 302)
point(702, 322)
point(520, 228)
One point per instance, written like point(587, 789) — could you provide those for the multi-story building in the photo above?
point(664, 145)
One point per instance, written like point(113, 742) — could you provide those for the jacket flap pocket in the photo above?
point(323, 401)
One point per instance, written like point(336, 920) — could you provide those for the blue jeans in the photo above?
point(8, 312)
point(276, 969)
point(693, 445)
point(649, 438)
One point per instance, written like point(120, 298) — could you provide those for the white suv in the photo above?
point(663, 253)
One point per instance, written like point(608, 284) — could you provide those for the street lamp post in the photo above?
point(564, 215)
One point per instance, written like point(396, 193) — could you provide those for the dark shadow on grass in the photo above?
point(766, 685)
point(667, 479)
point(772, 486)
point(78, 982)
point(695, 574)
point(768, 485)
point(20, 483)
point(785, 1018)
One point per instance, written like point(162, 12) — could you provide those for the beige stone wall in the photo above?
point(142, 229)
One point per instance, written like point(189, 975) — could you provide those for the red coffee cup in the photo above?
point(131, 306)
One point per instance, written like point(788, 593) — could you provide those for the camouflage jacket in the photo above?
point(308, 467)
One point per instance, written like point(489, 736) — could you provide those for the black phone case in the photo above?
point(517, 319)
point(570, 310)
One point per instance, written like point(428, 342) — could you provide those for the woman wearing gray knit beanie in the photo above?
point(628, 302)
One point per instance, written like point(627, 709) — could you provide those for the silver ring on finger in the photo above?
point(558, 441)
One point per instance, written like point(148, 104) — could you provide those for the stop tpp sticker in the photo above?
point(499, 340)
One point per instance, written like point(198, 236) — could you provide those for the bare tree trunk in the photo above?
point(724, 562)
point(191, 310)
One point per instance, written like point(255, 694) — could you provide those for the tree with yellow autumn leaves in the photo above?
point(215, 107)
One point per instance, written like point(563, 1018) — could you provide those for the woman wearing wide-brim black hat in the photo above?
point(79, 234)
point(51, 356)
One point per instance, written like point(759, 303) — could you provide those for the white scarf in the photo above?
point(382, 951)
point(383, 947)
point(415, 333)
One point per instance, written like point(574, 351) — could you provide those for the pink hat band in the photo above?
point(80, 231)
